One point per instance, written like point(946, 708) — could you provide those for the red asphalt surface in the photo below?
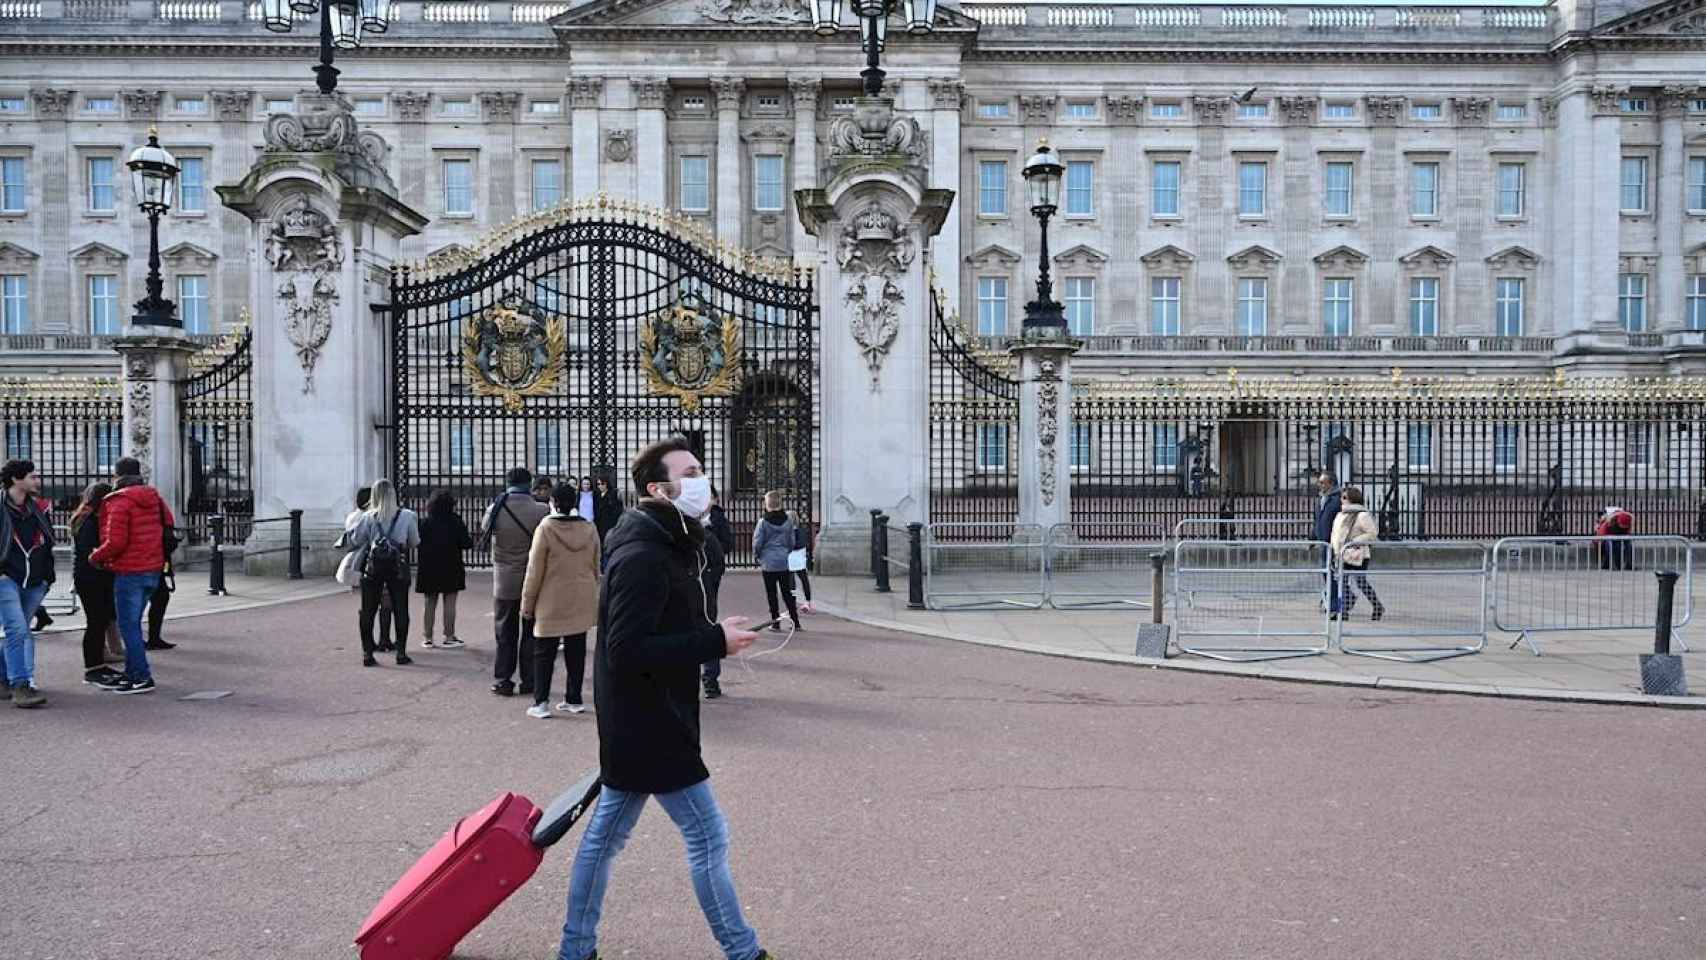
point(889, 796)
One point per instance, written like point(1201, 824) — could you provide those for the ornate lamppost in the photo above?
point(1044, 316)
point(873, 28)
point(342, 25)
point(154, 176)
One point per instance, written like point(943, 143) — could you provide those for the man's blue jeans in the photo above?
point(17, 606)
point(701, 823)
point(130, 598)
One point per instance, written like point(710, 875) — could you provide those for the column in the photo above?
point(1122, 210)
point(499, 110)
point(1389, 215)
point(1471, 296)
point(728, 91)
point(947, 96)
point(1599, 260)
point(1289, 302)
point(413, 109)
point(229, 162)
point(585, 95)
point(1206, 312)
point(651, 151)
point(153, 362)
point(52, 161)
point(805, 91)
point(1667, 295)
point(1045, 432)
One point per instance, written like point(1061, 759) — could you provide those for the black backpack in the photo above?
point(384, 560)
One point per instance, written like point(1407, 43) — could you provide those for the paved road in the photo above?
point(890, 797)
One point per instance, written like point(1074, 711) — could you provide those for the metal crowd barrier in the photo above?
point(882, 559)
point(971, 566)
point(1271, 593)
point(1244, 529)
point(1559, 584)
point(61, 599)
point(1082, 571)
point(1414, 591)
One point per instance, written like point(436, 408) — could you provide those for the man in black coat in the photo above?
point(718, 543)
point(655, 629)
point(1326, 514)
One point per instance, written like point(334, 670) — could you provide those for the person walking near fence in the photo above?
point(364, 498)
point(606, 507)
point(94, 588)
point(385, 534)
point(1326, 514)
point(1353, 531)
point(136, 541)
point(560, 596)
point(443, 574)
point(1615, 554)
point(772, 541)
point(800, 563)
point(653, 633)
point(26, 570)
point(720, 540)
point(508, 528)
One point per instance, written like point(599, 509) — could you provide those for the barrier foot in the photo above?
point(1676, 637)
point(1410, 654)
point(1250, 656)
point(1523, 637)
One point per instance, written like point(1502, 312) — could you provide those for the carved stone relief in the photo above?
point(1212, 110)
point(411, 105)
point(874, 250)
point(1124, 109)
point(140, 430)
point(619, 146)
point(755, 11)
point(1299, 111)
point(233, 104)
point(585, 92)
point(1472, 111)
point(1048, 429)
point(306, 253)
point(1385, 111)
point(500, 105)
point(141, 104)
point(51, 103)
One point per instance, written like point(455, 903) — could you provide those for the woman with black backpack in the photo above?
point(384, 535)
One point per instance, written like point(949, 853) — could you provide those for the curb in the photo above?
point(1271, 673)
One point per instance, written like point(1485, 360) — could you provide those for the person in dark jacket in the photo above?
point(157, 603)
point(134, 521)
point(607, 506)
point(653, 633)
point(1327, 507)
point(26, 571)
point(442, 573)
point(772, 541)
point(717, 548)
point(94, 589)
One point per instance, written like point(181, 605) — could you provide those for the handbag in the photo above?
point(349, 571)
point(796, 560)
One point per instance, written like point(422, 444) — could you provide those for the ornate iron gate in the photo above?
point(217, 414)
point(573, 338)
point(974, 426)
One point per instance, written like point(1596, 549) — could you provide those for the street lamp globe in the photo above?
point(920, 16)
point(153, 172)
point(375, 16)
point(826, 17)
point(1042, 174)
point(867, 9)
point(874, 33)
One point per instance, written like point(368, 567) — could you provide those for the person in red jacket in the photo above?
point(134, 521)
point(1615, 553)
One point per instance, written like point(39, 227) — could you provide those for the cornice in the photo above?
point(1246, 54)
point(260, 47)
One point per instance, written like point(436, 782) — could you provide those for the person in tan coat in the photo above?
point(560, 596)
point(1353, 530)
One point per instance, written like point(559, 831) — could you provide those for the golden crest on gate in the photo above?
point(688, 353)
point(510, 354)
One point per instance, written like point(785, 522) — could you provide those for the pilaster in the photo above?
point(729, 92)
point(498, 109)
point(805, 91)
point(1289, 305)
point(53, 164)
point(1126, 206)
point(228, 166)
point(1469, 311)
point(1045, 431)
point(586, 94)
point(413, 109)
point(1207, 280)
point(651, 132)
point(1389, 212)
point(947, 97)
point(1667, 293)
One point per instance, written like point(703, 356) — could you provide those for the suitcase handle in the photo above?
point(564, 811)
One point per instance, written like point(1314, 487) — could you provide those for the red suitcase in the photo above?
point(467, 874)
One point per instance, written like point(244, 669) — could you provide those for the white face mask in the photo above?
point(694, 499)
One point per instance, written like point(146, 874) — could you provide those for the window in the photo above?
point(370, 106)
point(459, 188)
point(1508, 307)
point(768, 102)
point(1166, 111)
point(1081, 109)
point(767, 181)
point(1424, 306)
point(1079, 447)
point(1511, 111)
point(993, 111)
point(1638, 443)
point(992, 306)
point(1252, 189)
point(1337, 306)
point(1696, 183)
point(13, 105)
point(1339, 111)
point(1511, 176)
point(14, 303)
point(1164, 446)
point(192, 185)
point(1340, 178)
point(845, 105)
point(547, 297)
point(1252, 307)
point(1252, 111)
point(103, 305)
point(1632, 301)
point(1424, 189)
point(192, 104)
point(547, 445)
point(992, 187)
point(1633, 182)
point(1697, 105)
point(696, 183)
point(192, 304)
point(18, 442)
point(100, 171)
point(1080, 188)
point(547, 183)
point(280, 105)
point(1164, 190)
point(109, 445)
point(100, 104)
point(1425, 111)
point(1505, 439)
point(14, 189)
point(992, 446)
point(544, 107)
point(1164, 306)
point(461, 446)
point(1634, 105)
point(1697, 302)
point(1419, 446)
point(458, 108)
point(1080, 306)
point(694, 103)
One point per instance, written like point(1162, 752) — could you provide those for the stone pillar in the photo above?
point(154, 361)
point(805, 91)
point(651, 149)
point(728, 91)
point(947, 95)
point(1217, 200)
point(1123, 214)
point(1597, 259)
point(234, 108)
point(871, 220)
point(1045, 431)
point(1667, 293)
point(585, 94)
point(326, 226)
point(1471, 293)
point(53, 158)
point(499, 111)
point(1390, 205)
point(413, 111)
point(1292, 287)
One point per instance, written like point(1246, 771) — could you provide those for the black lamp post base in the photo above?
point(326, 78)
point(1044, 320)
point(157, 313)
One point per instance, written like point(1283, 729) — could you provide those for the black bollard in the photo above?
point(1661, 670)
point(915, 566)
point(216, 559)
point(296, 544)
point(880, 552)
point(876, 554)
